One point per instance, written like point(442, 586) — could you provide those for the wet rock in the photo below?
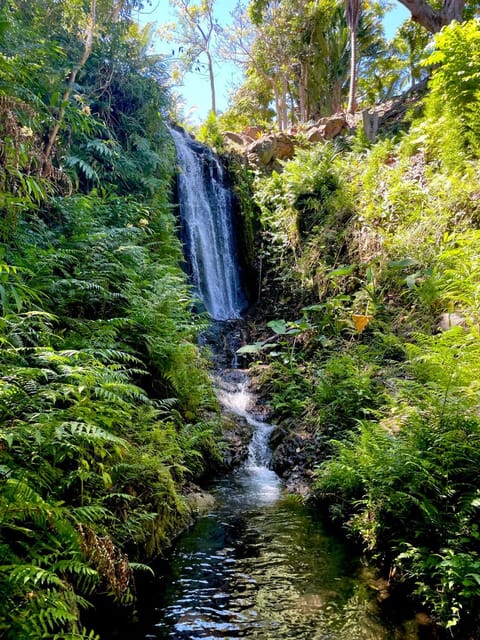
point(237, 434)
point(222, 339)
point(293, 458)
point(200, 502)
point(381, 587)
point(423, 619)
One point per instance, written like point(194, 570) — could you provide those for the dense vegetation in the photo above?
point(371, 282)
point(106, 407)
point(369, 290)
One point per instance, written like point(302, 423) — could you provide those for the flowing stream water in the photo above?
point(259, 565)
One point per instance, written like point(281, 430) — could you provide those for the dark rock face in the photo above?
point(237, 435)
point(294, 457)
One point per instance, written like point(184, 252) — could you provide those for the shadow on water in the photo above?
point(260, 565)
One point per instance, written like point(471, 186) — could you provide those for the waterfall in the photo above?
point(206, 214)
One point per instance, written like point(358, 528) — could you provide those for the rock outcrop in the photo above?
point(266, 151)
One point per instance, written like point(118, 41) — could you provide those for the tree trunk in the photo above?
point(302, 92)
point(352, 92)
point(352, 16)
point(283, 103)
point(432, 19)
point(117, 8)
point(212, 82)
point(277, 105)
point(68, 91)
point(336, 103)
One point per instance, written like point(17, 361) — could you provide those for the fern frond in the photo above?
point(90, 514)
point(84, 166)
point(87, 433)
point(29, 575)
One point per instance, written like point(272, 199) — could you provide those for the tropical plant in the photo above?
point(102, 388)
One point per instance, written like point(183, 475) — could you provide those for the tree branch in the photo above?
point(68, 91)
point(433, 20)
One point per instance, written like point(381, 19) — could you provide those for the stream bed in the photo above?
point(260, 565)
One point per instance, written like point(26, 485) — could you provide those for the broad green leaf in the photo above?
point(346, 270)
point(278, 326)
point(402, 264)
point(251, 348)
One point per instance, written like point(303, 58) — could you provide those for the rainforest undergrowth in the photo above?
point(370, 356)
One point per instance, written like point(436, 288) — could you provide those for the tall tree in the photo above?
point(410, 41)
point(195, 32)
point(262, 44)
point(302, 50)
point(352, 16)
point(87, 49)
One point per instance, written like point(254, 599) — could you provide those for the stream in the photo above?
point(260, 564)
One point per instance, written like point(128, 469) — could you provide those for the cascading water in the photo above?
point(260, 484)
point(259, 565)
point(206, 214)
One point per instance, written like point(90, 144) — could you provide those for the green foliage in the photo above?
point(454, 95)
point(209, 133)
point(409, 495)
point(345, 391)
point(449, 133)
point(300, 210)
point(102, 389)
point(388, 411)
point(296, 58)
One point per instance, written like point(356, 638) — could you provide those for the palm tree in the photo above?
point(352, 16)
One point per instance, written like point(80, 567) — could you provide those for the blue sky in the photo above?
point(195, 90)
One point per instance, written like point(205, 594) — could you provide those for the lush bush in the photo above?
point(454, 99)
point(301, 211)
point(106, 408)
point(383, 244)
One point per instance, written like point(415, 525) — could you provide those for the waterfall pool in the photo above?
point(260, 565)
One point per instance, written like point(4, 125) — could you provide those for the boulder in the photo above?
point(264, 149)
point(315, 135)
point(252, 132)
point(200, 502)
point(235, 137)
point(327, 128)
point(268, 150)
point(446, 321)
point(333, 126)
point(271, 147)
point(285, 147)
